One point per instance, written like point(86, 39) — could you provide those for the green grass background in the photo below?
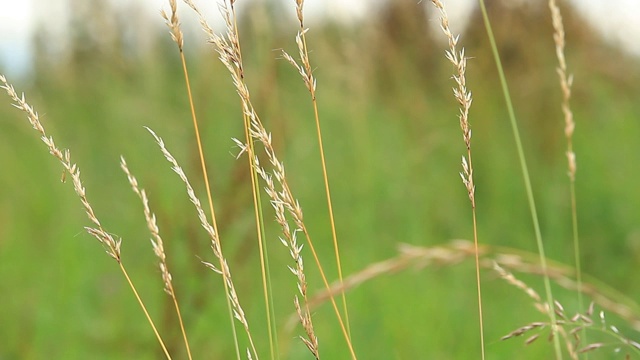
point(393, 148)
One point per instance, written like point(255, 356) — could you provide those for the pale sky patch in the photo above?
point(617, 20)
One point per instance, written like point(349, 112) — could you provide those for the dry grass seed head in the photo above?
point(289, 240)
point(299, 7)
point(524, 329)
point(174, 24)
point(590, 347)
point(112, 246)
point(511, 279)
point(238, 312)
point(156, 240)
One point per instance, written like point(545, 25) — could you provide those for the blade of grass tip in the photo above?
point(525, 175)
point(112, 246)
point(463, 95)
point(311, 86)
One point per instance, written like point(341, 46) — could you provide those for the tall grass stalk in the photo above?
point(177, 36)
point(228, 47)
point(525, 176)
point(257, 207)
point(106, 239)
point(464, 98)
point(569, 127)
point(257, 210)
point(259, 218)
point(307, 75)
point(279, 202)
point(223, 269)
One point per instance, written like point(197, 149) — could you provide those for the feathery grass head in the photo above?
point(174, 24)
point(111, 245)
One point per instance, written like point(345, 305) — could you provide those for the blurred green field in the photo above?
point(393, 148)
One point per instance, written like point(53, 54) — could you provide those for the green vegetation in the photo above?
point(393, 146)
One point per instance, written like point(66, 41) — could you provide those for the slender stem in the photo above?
point(203, 165)
point(326, 283)
point(325, 175)
point(182, 329)
point(257, 208)
point(576, 242)
point(464, 98)
point(264, 261)
point(526, 178)
point(228, 48)
point(477, 258)
point(144, 309)
point(565, 86)
point(177, 36)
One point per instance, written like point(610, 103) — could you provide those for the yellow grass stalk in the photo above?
point(228, 46)
point(176, 34)
point(306, 72)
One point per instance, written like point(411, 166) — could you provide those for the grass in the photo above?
point(393, 167)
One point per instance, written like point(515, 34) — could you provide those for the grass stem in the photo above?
point(310, 82)
point(525, 176)
point(144, 309)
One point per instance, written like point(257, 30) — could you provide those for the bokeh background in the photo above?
point(393, 149)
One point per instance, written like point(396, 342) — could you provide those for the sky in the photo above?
point(617, 20)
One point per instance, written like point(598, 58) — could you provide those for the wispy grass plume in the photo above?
point(305, 70)
point(223, 267)
point(464, 98)
point(228, 47)
point(111, 245)
point(173, 24)
point(569, 126)
point(257, 202)
point(279, 202)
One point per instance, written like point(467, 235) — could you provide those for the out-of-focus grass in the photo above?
point(393, 148)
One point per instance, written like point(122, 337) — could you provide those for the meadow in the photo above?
point(393, 145)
